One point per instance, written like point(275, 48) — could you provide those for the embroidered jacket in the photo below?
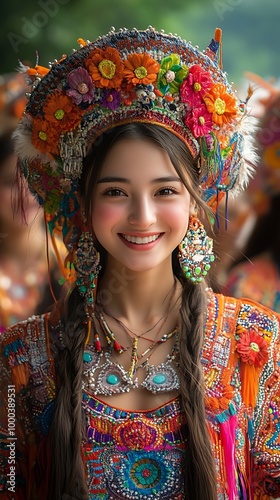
point(139, 454)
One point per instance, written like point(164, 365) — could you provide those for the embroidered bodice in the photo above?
point(134, 455)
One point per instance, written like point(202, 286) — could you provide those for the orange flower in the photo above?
point(105, 68)
point(221, 104)
point(60, 111)
point(44, 137)
point(141, 68)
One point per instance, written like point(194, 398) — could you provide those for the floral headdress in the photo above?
point(124, 77)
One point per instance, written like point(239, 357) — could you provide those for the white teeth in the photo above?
point(140, 241)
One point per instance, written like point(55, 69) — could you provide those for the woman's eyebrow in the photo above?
point(113, 179)
point(170, 178)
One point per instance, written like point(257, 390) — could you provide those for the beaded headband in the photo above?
point(129, 76)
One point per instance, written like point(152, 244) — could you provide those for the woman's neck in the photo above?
point(140, 297)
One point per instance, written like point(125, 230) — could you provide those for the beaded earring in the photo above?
point(87, 268)
point(196, 251)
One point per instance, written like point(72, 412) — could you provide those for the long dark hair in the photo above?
point(67, 469)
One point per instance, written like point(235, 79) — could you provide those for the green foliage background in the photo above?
point(251, 34)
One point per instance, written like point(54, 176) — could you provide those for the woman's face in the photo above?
point(8, 218)
point(140, 207)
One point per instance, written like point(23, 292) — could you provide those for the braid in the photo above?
point(67, 471)
point(200, 475)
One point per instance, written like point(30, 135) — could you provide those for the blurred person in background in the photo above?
point(25, 274)
point(234, 220)
point(256, 274)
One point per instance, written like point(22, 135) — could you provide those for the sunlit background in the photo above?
point(251, 35)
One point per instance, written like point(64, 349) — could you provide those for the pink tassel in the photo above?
point(227, 433)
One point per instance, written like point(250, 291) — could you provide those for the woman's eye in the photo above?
point(166, 191)
point(113, 192)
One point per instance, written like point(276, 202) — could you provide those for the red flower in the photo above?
point(252, 348)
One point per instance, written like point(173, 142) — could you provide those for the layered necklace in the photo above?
point(104, 376)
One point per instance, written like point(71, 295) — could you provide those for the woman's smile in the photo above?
point(140, 242)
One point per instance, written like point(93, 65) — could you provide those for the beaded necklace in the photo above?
point(114, 379)
point(135, 357)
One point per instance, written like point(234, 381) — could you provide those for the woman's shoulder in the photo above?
point(248, 329)
point(231, 320)
point(241, 337)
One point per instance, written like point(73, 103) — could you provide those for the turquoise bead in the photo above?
point(113, 379)
point(87, 357)
point(159, 379)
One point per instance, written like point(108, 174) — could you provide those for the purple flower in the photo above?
point(111, 99)
point(81, 86)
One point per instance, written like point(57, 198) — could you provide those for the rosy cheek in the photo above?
point(175, 216)
point(106, 213)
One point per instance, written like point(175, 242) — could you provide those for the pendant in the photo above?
point(161, 378)
point(113, 379)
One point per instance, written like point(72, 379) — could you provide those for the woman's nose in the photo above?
point(142, 213)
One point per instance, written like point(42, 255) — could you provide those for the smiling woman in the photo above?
point(146, 201)
point(141, 383)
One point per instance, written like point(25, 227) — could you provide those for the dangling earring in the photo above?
point(196, 251)
point(87, 268)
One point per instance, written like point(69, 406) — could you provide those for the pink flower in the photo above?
point(197, 83)
point(199, 121)
point(81, 86)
